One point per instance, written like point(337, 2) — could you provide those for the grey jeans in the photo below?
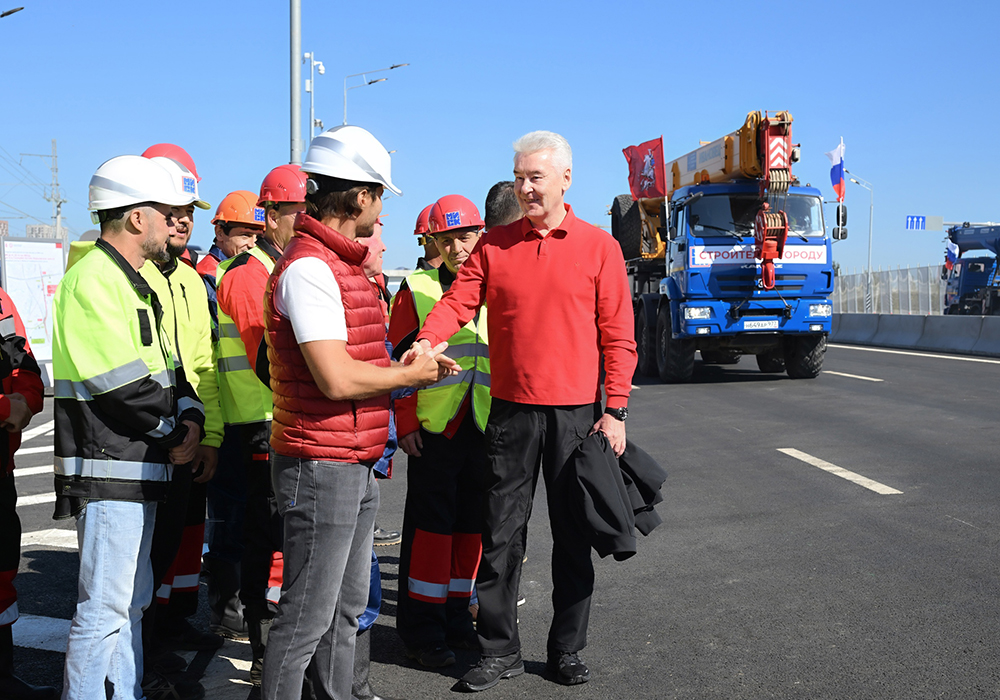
point(329, 516)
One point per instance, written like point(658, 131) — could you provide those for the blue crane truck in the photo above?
point(972, 285)
point(727, 255)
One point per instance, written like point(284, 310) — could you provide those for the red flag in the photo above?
point(646, 175)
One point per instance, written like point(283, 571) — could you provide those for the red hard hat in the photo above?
point(240, 208)
point(286, 183)
point(423, 225)
point(176, 153)
point(454, 211)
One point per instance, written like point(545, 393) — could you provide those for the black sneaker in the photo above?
point(490, 671)
point(226, 632)
point(567, 667)
point(384, 538)
point(437, 656)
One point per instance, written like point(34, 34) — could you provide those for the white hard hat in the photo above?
point(128, 180)
point(185, 182)
point(350, 153)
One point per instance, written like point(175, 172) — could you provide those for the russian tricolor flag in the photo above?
point(836, 157)
point(950, 254)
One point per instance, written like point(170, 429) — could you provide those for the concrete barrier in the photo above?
point(855, 328)
point(969, 335)
point(898, 331)
point(950, 333)
point(989, 337)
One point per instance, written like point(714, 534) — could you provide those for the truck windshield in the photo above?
point(729, 214)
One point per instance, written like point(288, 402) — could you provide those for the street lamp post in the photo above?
point(314, 67)
point(366, 81)
point(869, 297)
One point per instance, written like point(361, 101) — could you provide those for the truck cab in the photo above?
point(706, 295)
point(727, 254)
point(968, 287)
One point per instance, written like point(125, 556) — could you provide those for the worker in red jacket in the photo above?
point(237, 223)
point(21, 399)
point(441, 429)
point(247, 402)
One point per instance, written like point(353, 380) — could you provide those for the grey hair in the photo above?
point(562, 154)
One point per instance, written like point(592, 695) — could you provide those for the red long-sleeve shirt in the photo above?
point(25, 377)
point(557, 303)
point(241, 296)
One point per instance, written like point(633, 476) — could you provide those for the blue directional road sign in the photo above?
point(916, 223)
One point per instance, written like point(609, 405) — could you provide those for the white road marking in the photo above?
point(226, 677)
point(963, 522)
point(62, 539)
point(37, 632)
point(36, 500)
point(852, 376)
point(35, 432)
point(31, 471)
point(35, 450)
point(840, 471)
point(917, 354)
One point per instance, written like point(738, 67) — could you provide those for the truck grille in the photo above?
point(745, 282)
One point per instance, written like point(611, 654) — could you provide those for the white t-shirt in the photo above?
point(308, 295)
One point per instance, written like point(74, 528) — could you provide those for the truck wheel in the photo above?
point(804, 355)
point(645, 344)
point(771, 361)
point(674, 358)
point(720, 357)
point(626, 226)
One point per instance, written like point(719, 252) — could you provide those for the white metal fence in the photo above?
point(914, 290)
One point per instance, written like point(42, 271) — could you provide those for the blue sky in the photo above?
point(912, 89)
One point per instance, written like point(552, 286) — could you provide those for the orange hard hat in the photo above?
point(240, 207)
point(173, 152)
point(453, 211)
point(286, 183)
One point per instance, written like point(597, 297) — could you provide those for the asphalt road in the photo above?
point(770, 577)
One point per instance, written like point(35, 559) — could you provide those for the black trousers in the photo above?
point(444, 496)
point(262, 532)
point(10, 543)
point(521, 439)
point(167, 533)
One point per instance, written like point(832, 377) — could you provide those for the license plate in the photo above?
point(760, 325)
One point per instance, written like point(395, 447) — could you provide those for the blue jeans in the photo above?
point(329, 517)
point(116, 585)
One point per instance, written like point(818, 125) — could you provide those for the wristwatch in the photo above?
point(619, 413)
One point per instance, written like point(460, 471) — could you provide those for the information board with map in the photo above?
point(32, 269)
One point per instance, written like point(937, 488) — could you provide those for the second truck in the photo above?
point(730, 256)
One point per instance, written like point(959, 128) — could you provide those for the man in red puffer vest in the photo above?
point(331, 377)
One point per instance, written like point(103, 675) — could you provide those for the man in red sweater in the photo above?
point(558, 300)
point(21, 398)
